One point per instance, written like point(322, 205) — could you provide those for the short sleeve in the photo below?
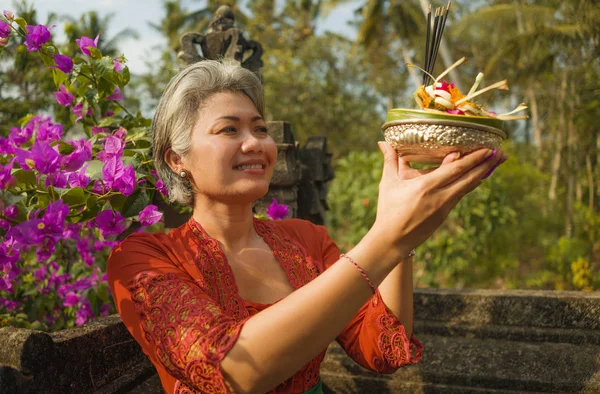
point(375, 339)
point(176, 323)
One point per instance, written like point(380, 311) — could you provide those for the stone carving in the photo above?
point(223, 40)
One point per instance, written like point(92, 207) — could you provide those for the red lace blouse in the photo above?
point(177, 296)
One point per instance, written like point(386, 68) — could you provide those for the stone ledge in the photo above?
point(483, 341)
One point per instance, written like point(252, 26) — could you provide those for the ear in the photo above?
point(173, 160)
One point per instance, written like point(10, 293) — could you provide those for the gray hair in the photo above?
point(179, 108)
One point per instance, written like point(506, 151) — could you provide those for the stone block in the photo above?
point(287, 167)
point(281, 132)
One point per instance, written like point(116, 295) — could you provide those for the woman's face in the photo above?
point(232, 155)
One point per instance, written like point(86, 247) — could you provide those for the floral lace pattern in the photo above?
point(190, 333)
point(393, 343)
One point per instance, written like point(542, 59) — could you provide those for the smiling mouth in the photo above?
point(250, 167)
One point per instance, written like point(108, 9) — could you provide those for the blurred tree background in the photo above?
point(534, 224)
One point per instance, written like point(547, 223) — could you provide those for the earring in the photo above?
point(183, 174)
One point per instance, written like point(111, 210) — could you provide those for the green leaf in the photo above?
point(22, 24)
point(43, 200)
point(105, 87)
point(92, 208)
point(106, 122)
point(94, 170)
point(78, 60)
point(137, 201)
point(75, 196)
point(95, 53)
point(117, 202)
point(124, 77)
point(25, 178)
point(59, 77)
point(63, 147)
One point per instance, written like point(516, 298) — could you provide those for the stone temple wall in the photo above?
point(482, 341)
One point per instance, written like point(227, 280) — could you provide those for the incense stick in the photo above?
point(434, 38)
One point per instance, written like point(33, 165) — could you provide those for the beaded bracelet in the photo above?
point(362, 272)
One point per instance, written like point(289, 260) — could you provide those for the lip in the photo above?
point(263, 163)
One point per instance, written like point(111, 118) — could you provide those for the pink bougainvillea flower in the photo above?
point(11, 211)
point(118, 65)
point(9, 305)
point(5, 29)
point(6, 148)
point(41, 272)
point(45, 158)
point(71, 299)
point(63, 97)
point(85, 43)
point(113, 147)
point(149, 215)
point(455, 112)
point(98, 130)
point(81, 154)
point(18, 136)
point(110, 222)
point(126, 182)
point(78, 110)
point(9, 252)
point(277, 211)
point(7, 275)
point(162, 189)
point(78, 178)
point(5, 175)
point(36, 36)
point(49, 227)
point(58, 179)
point(116, 95)
point(8, 15)
point(63, 63)
point(83, 314)
point(121, 133)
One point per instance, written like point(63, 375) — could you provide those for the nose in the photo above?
point(251, 144)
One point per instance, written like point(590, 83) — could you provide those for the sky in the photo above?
point(137, 13)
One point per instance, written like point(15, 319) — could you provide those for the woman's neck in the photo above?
point(230, 224)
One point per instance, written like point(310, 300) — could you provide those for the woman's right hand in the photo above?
point(413, 203)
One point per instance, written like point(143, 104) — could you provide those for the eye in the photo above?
point(229, 130)
point(262, 129)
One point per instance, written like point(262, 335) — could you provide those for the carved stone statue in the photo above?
point(223, 40)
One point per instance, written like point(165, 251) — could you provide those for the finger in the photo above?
point(390, 160)
point(403, 165)
point(449, 173)
point(451, 157)
point(472, 179)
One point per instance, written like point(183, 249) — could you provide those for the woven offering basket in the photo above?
point(425, 137)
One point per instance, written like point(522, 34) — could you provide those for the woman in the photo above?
point(229, 303)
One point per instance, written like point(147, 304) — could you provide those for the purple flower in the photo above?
point(11, 211)
point(19, 136)
point(83, 246)
point(82, 284)
point(6, 148)
point(71, 299)
point(8, 305)
point(117, 64)
point(277, 211)
point(113, 147)
point(99, 188)
point(9, 253)
point(5, 176)
point(41, 272)
point(9, 15)
point(85, 43)
point(79, 179)
point(78, 110)
point(50, 227)
point(58, 179)
point(63, 63)
point(126, 182)
point(5, 29)
point(116, 95)
point(98, 130)
point(160, 186)
point(83, 314)
point(7, 275)
point(81, 154)
point(149, 215)
point(63, 97)
point(46, 158)
point(36, 36)
point(110, 222)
